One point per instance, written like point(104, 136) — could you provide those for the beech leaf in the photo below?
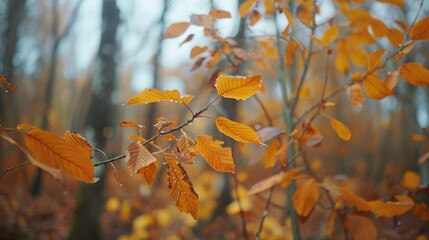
point(176, 29)
point(219, 158)
point(237, 131)
point(305, 197)
point(150, 95)
point(415, 74)
point(420, 30)
point(341, 130)
point(360, 228)
point(137, 157)
point(239, 88)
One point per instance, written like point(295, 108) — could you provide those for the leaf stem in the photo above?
point(14, 167)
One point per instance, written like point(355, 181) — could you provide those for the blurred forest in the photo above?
point(75, 63)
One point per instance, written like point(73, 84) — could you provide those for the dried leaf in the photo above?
point(282, 177)
point(131, 125)
point(415, 74)
point(350, 198)
point(341, 130)
point(245, 7)
point(176, 29)
point(162, 123)
point(218, 13)
point(356, 96)
point(375, 88)
point(374, 59)
point(239, 88)
point(391, 80)
point(314, 140)
point(149, 172)
point(268, 133)
point(255, 16)
point(181, 189)
point(420, 30)
point(202, 20)
point(137, 157)
point(389, 209)
point(216, 56)
point(58, 153)
point(411, 180)
point(187, 39)
point(360, 228)
point(237, 131)
point(305, 197)
point(197, 51)
point(422, 211)
point(198, 63)
point(219, 158)
point(187, 147)
point(150, 95)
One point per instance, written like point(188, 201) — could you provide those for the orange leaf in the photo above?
point(239, 88)
point(289, 16)
point(374, 59)
point(150, 95)
point(415, 74)
point(149, 172)
point(216, 55)
point(422, 211)
point(374, 87)
point(186, 147)
point(391, 80)
point(80, 142)
point(197, 51)
point(237, 131)
point(360, 228)
point(350, 198)
point(341, 130)
point(138, 157)
point(217, 13)
point(131, 125)
point(176, 29)
point(389, 209)
point(291, 50)
point(270, 154)
point(341, 60)
point(399, 3)
point(27, 126)
point(288, 176)
point(219, 158)
point(304, 13)
point(356, 96)
point(254, 17)
point(305, 197)
point(58, 153)
point(267, 183)
point(181, 189)
point(395, 37)
point(245, 7)
point(411, 180)
point(420, 30)
point(331, 33)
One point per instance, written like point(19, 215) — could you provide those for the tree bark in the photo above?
point(100, 120)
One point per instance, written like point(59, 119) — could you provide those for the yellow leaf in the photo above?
point(131, 125)
point(245, 7)
point(341, 130)
point(391, 80)
point(420, 30)
point(411, 180)
point(356, 96)
point(341, 60)
point(288, 176)
point(331, 33)
point(137, 157)
point(80, 142)
point(289, 16)
point(150, 95)
point(304, 12)
point(360, 228)
point(270, 154)
point(283, 177)
point(415, 74)
point(305, 197)
point(291, 50)
point(218, 13)
point(219, 158)
point(239, 88)
point(374, 59)
point(374, 88)
point(395, 37)
point(176, 29)
point(149, 172)
point(399, 3)
point(58, 153)
point(186, 147)
point(358, 56)
point(378, 28)
point(389, 209)
point(197, 51)
point(181, 189)
point(269, 7)
point(237, 131)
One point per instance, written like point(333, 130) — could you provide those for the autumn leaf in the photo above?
point(389, 209)
point(330, 34)
point(197, 51)
point(27, 126)
point(176, 29)
point(305, 197)
point(237, 131)
point(271, 153)
point(351, 198)
point(291, 50)
point(149, 172)
point(360, 228)
point(137, 157)
point(375, 88)
point(283, 177)
point(219, 158)
point(131, 125)
point(395, 37)
point(255, 16)
point(58, 153)
point(218, 13)
point(239, 88)
point(420, 30)
point(181, 188)
point(187, 147)
point(411, 180)
point(415, 74)
point(356, 96)
point(391, 80)
point(422, 211)
point(245, 7)
point(288, 176)
point(341, 130)
point(268, 133)
point(80, 142)
point(374, 59)
point(150, 95)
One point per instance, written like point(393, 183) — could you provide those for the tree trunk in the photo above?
point(100, 120)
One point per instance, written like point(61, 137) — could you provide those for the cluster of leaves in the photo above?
point(5, 85)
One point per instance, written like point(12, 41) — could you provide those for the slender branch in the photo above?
point(264, 212)
point(240, 206)
point(110, 160)
point(415, 18)
point(264, 109)
point(307, 61)
point(13, 167)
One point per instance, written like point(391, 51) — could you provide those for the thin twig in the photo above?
point(240, 206)
point(13, 167)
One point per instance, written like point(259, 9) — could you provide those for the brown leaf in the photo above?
point(218, 13)
point(137, 157)
point(176, 29)
point(255, 16)
point(420, 30)
point(356, 96)
point(187, 39)
point(415, 73)
point(149, 172)
point(360, 228)
point(268, 133)
point(305, 197)
point(197, 51)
